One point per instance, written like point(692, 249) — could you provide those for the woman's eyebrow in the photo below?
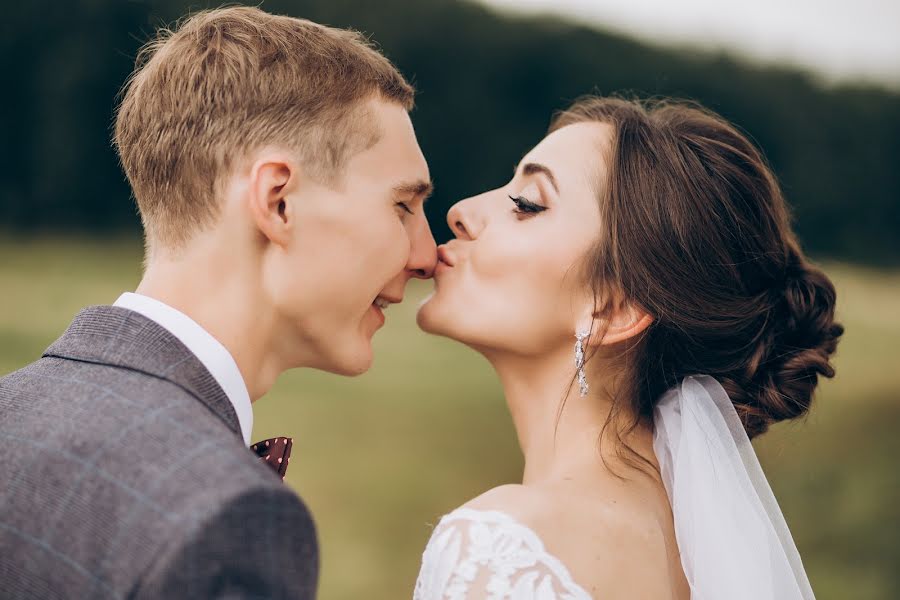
point(533, 168)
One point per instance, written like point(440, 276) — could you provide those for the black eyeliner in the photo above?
point(526, 207)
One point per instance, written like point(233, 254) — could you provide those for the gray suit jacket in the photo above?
point(123, 474)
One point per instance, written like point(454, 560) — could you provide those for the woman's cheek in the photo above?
point(501, 254)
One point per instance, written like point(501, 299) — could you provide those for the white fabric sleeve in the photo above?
point(487, 555)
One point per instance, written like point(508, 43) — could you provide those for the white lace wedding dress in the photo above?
point(733, 540)
point(489, 555)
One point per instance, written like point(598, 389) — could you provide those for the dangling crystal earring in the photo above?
point(579, 360)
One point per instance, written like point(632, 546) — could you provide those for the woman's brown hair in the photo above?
point(696, 231)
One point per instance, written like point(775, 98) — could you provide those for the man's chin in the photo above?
point(354, 362)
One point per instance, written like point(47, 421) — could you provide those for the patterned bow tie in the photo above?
point(275, 452)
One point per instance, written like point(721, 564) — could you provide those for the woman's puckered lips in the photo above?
point(445, 255)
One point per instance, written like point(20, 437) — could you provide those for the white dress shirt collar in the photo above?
point(214, 356)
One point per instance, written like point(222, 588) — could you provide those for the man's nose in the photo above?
point(422, 252)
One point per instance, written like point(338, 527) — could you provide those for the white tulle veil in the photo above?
point(733, 539)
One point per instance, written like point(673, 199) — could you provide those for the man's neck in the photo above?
point(226, 307)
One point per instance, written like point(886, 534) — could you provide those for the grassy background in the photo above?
point(382, 456)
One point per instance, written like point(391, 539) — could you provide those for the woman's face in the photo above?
point(512, 280)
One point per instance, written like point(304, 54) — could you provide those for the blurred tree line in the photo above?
point(488, 84)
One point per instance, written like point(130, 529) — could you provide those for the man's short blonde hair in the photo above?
point(228, 81)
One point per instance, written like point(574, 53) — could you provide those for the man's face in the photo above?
point(354, 248)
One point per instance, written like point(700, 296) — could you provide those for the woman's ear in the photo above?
point(272, 178)
point(625, 321)
point(626, 324)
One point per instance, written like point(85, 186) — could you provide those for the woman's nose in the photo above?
point(465, 220)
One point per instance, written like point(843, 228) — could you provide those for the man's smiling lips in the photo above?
point(380, 304)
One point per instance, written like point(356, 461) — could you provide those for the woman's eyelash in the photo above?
point(405, 207)
point(526, 207)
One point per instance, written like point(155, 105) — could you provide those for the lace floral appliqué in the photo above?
point(475, 554)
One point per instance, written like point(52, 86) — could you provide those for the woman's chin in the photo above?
point(425, 318)
point(432, 318)
point(438, 319)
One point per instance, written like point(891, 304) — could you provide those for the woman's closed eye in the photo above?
point(526, 207)
point(405, 207)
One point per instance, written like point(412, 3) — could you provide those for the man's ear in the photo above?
point(272, 179)
point(625, 321)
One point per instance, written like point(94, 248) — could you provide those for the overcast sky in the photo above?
point(839, 39)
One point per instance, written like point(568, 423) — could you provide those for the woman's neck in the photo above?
point(559, 431)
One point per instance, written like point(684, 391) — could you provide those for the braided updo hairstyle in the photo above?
point(696, 232)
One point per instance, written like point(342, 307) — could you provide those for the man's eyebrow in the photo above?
point(414, 188)
point(535, 168)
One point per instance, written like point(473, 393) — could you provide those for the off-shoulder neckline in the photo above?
point(529, 535)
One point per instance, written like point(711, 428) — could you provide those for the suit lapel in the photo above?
point(115, 336)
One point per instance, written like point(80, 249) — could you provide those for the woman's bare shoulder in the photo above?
point(614, 544)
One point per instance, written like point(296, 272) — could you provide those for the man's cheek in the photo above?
point(397, 248)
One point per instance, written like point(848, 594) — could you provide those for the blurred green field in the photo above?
point(380, 457)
